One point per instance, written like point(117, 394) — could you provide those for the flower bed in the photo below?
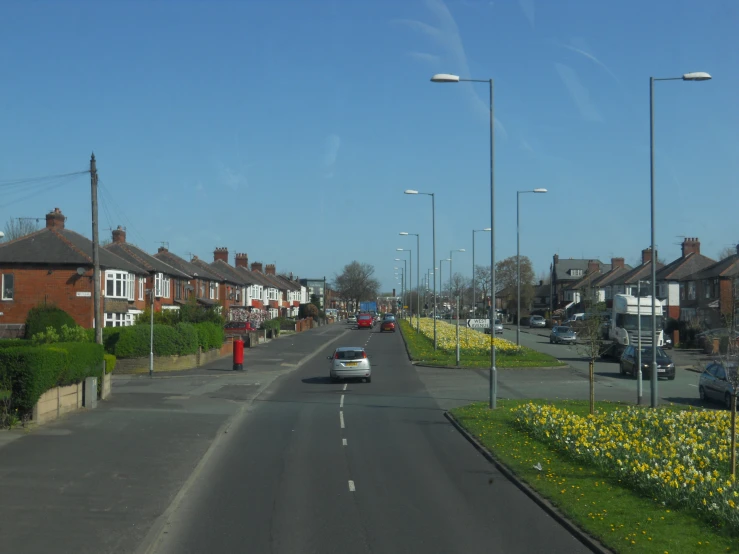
point(470, 340)
point(677, 457)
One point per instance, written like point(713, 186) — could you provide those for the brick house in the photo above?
point(169, 283)
point(293, 295)
point(283, 288)
point(271, 297)
point(565, 272)
point(598, 284)
point(710, 295)
point(628, 282)
point(669, 277)
point(54, 266)
point(229, 293)
point(254, 288)
point(541, 301)
point(203, 285)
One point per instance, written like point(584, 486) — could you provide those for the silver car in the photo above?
point(562, 335)
point(350, 362)
point(351, 320)
point(714, 383)
point(537, 321)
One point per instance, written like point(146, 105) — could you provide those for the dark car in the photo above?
point(714, 384)
point(388, 325)
point(629, 362)
point(238, 327)
point(562, 335)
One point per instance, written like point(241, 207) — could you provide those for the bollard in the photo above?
point(238, 355)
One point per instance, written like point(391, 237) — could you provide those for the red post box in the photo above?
point(238, 355)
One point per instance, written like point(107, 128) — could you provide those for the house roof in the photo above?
point(564, 267)
point(640, 272)
point(56, 245)
point(186, 267)
point(728, 267)
point(684, 266)
point(609, 277)
point(291, 284)
point(263, 279)
point(228, 272)
point(135, 255)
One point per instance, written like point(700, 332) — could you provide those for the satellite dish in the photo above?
point(80, 271)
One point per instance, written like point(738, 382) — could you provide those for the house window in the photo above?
point(118, 320)
point(161, 286)
point(682, 291)
point(213, 291)
point(691, 290)
point(576, 272)
point(201, 289)
point(142, 287)
point(131, 289)
point(178, 289)
point(8, 286)
point(238, 294)
point(116, 284)
point(707, 288)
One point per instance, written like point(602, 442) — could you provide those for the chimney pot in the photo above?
point(691, 245)
point(119, 235)
point(256, 266)
point(241, 259)
point(162, 249)
point(646, 255)
point(220, 253)
point(55, 219)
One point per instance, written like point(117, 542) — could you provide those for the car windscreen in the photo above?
point(365, 317)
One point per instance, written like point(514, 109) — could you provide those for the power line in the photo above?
point(108, 197)
point(37, 189)
point(27, 180)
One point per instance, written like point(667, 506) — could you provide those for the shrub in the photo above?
point(109, 362)
point(44, 316)
point(73, 334)
point(49, 335)
point(210, 335)
point(11, 343)
point(134, 341)
point(187, 339)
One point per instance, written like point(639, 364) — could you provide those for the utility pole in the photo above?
point(95, 253)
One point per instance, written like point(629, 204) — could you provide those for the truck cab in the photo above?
point(625, 328)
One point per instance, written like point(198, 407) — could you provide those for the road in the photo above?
point(353, 468)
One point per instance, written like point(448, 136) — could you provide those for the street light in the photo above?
point(451, 273)
point(448, 78)
point(518, 260)
point(441, 273)
point(433, 228)
point(418, 279)
point(696, 76)
point(410, 279)
point(474, 301)
point(405, 266)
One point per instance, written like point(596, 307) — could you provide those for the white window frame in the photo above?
point(118, 279)
point(142, 287)
point(161, 285)
point(212, 291)
point(131, 287)
point(115, 319)
point(5, 296)
point(692, 290)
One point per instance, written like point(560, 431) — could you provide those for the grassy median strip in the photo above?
point(421, 349)
point(595, 499)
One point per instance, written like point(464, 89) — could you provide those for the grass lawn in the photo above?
point(421, 349)
point(621, 519)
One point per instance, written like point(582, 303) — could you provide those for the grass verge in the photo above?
point(597, 502)
point(421, 349)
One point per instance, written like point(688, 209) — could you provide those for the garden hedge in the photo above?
point(210, 335)
point(41, 317)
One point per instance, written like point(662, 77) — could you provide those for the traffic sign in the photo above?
point(479, 323)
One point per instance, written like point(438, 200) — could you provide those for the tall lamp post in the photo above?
point(451, 273)
point(697, 76)
point(405, 272)
point(418, 278)
point(433, 228)
point(447, 78)
point(474, 298)
point(409, 288)
point(441, 275)
point(518, 259)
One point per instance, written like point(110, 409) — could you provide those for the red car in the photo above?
point(387, 325)
point(238, 327)
point(365, 321)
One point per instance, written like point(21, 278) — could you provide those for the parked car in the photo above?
point(498, 325)
point(350, 362)
point(713, 384)
point(352, 320)
point(238, 327)
point(537, 321)
point(365, 321)
point(629, 362)
point(562, 335)
point(388, 325)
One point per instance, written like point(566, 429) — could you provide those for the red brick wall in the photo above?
point(727, 298)
point(673, 312)
point(56, 285)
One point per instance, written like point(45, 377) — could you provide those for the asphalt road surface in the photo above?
point(353, 468)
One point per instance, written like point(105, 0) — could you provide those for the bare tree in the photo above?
point(482, 283)
point(506, 276)
point(727, 252)
point(589, 343)
point(19, 227)
point(355, 283)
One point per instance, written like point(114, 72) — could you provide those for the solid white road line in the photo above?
point(692, 385)
point(341, 419)
point(351, 486)
point(343, 442)
point(345, 385)
point(341, 402)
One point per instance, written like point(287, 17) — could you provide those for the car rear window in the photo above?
point(349, 354)
point(365, 317)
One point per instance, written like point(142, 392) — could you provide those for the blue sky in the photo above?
point(289, 130)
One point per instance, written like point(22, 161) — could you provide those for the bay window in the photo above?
point(161, 285)
point(117, 284)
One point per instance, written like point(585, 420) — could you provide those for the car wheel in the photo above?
point(702, 393)
point(621, 369)
point(551, 341)
point(727, 401)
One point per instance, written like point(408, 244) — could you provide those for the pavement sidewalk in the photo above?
point(96, 481)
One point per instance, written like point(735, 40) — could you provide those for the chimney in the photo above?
point(291, 275)
point(691, 245)
point(617, 262)
point(556, 259)
point(241, 260)
point(55, 219)
point(194, 258)
point(646, 255)
point(593, 266)
point(119, 235)
point(162, 249)
point(256, 266)
point(220, 253)
point(271, 270)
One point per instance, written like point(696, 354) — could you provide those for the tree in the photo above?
point(590, 341)
point(727, 252)
point(461, 286)
point(356, 283)
point(506, 279)
point(482, 283)
point(20, 227)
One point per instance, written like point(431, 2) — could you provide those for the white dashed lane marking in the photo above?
point(341, 419)
point(343, 442)
point(341, 402)
point(345, 385)
point(351, 486)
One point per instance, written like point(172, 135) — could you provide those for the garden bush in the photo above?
point(12, 343)
point(134, 341)
point(109, 362)
point(42, 317)
point(210, 335)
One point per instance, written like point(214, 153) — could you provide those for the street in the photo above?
point(354, 467)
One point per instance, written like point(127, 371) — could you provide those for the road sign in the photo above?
point(479, 323)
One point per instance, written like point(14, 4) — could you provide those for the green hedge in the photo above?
point(210, 335)
point(41, 317)
point(134, 341)
point(33, 370)
point(109, 363)
point(12, 343)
